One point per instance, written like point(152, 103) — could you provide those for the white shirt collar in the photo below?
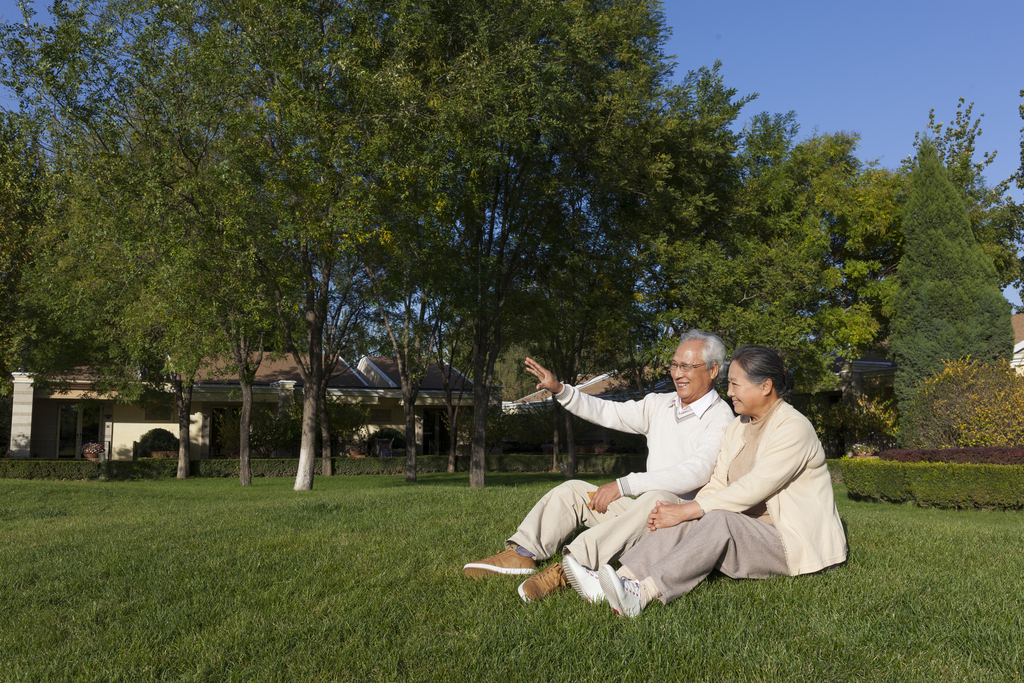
point(698, 407)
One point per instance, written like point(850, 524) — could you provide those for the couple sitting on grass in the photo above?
point(750, 496)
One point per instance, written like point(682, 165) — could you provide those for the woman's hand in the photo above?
point(666, 514)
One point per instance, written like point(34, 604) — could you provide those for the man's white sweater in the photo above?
point(681, 451)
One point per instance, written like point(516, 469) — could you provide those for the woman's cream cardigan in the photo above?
point(790, 476)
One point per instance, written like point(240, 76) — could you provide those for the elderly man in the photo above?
point(684, 432)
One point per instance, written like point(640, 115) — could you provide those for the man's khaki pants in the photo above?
point(563, 509)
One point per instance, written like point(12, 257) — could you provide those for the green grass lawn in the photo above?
point(361, 579)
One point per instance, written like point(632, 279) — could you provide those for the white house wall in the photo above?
point(130, 424)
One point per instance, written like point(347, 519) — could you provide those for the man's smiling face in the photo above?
point(696, 381)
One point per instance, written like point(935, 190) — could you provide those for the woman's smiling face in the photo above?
point(749, 398)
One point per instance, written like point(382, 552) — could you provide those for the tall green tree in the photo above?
point(798, 256)
point(949, 305)
point(315, 79)
point(147, 125)
point(997, 221)
point(22, 207)
point(530, 109)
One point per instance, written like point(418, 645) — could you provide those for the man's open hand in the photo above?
point(547, 378)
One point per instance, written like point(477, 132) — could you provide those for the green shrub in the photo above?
point(512, 462)
point(941, 485)
point(966, 404)
point(158, 468)
point(156, 440)
point(24, 468)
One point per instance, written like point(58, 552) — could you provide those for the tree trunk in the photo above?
point(326, 451)
point(307, 449)
point(245, 422)
point(570, 447)
point(247, 367)
point(183, 399)
point(453, 435)
point(411, 444)
point(478, 455)
point(452, 406)
point(557, 411)
point(451, 403)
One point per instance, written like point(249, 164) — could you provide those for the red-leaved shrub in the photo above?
point(989, 455)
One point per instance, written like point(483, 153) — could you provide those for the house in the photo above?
point(48, 424)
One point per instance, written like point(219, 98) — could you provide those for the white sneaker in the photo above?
point(585, 581)
point(622, 595)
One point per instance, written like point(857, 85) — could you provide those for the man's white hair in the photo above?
point(714, 347)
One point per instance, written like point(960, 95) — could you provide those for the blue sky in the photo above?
point(873, 67)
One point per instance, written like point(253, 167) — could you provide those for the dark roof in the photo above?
point(283, 369)
point(432, 381)
point(1018, 328)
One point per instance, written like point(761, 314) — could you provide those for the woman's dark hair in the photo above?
point(760, 363)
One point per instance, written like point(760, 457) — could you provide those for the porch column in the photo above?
point(204, 434)
point(21, 416)
point(107, 436)
point(418, 412)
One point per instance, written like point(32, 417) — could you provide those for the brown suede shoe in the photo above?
point(544, 584)
point(505, 562)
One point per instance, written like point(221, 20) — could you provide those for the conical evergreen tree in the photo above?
point(949, 305)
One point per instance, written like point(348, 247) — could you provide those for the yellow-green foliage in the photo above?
point(967, 404)
point(941, 485)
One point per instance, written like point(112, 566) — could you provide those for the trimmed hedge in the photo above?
point(24, 468)
point(158, 468)
point(989, 455)
point(942, 485)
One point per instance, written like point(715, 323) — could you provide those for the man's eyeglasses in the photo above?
point(683, 367)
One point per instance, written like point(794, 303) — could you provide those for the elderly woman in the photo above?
point(768, 509)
